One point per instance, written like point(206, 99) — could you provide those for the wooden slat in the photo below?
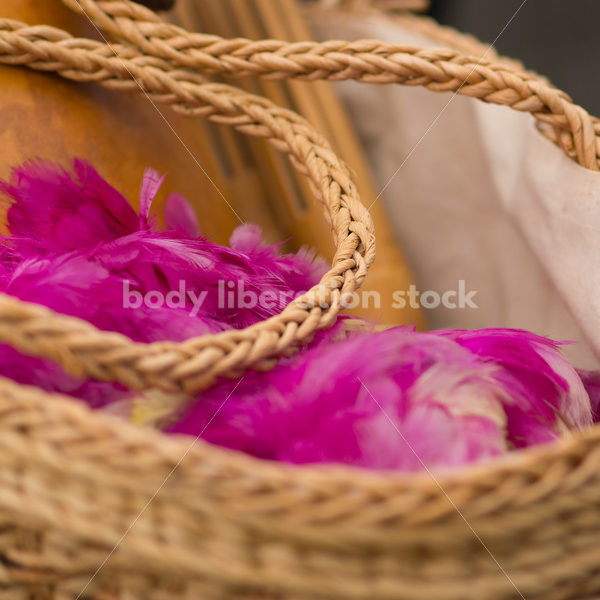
point(243, 184)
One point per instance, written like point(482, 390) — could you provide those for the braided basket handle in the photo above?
point(370, 61)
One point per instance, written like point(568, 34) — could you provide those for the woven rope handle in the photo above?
point(370, 61)
point(166, 62)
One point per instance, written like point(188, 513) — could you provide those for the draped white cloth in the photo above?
point(478, 194)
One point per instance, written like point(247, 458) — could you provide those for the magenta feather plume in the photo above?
point(68, 220)
point(179, 216)
point(387, 400)
point(53, 212)
point(399, 399)
point(546, 395)
point(396, 399)
point(75, 245)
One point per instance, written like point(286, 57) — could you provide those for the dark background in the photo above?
point(558, 38)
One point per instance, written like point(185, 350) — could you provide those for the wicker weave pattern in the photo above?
point(225, 525)
point(228, 526)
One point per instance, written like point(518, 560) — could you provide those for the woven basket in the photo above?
point(94, 507)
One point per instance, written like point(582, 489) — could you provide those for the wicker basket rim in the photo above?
point(528, 465)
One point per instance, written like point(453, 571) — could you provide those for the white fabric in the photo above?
point(485, 198)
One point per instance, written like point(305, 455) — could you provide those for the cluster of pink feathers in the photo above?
point(395, 399)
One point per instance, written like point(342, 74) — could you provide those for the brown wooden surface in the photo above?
point(44, 116)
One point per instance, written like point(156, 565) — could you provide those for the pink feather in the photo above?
point(54, 212)
point(74, 244)
point(180, 216)
point(398, 400)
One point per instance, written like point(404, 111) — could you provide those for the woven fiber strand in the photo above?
point(224, 525)
point(227, 525)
